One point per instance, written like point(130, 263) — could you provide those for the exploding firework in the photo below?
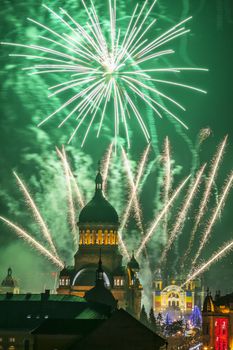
point(183, 212)
point(37, 215)
point(161, 215)
point(214, 217)
point(34, 243)
point(215, 257)
point(72, 214)
point(69, 175)
point(107, 68)
point(209, 184)
point(135, 178)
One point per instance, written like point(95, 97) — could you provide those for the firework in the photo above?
point(136, 206)
point(203, 135)
point(207, 192)
point(142, 171)
point(107, 71)
point(167, 177)
point(72, 215)
point(31, 241)
point(161, 215)
point(214, 217)
point(76, 187)
point(106, 163)
point(215, 257)
point(183, 212)
point(36, 214)
point(134, 189)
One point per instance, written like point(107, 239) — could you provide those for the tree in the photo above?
point(168, 320)
point(152, 320)
point(159, 319)
point(168, 325)
point(195, 317)
point(143, 316)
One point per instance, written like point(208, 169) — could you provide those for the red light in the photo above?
point(221, 333)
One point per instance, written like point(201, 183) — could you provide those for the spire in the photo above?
point(99, 293)
point(100, 271)
point(133, 264)
point(98, 180)
point(9, 272)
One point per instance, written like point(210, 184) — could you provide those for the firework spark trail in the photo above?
point(36, 213)
point(168, 173)
point(134, 189)
point(103, 67)
point(70, 198)
point(135, 201)
point(161, 215)
point(215, 257)
point(214, 217)
point(167, 178)
point(203, 135)
point(148, 171)
point(123, 246)
point(31, 241)
point(76, 187)
point(207, 193)
point(183, 212)
point(106, 163)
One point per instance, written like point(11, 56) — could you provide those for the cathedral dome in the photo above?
point(98, 210)
point(208, 304)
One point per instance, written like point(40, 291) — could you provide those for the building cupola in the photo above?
point(98, 210)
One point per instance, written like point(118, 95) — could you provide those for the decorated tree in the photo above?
point(195, 317)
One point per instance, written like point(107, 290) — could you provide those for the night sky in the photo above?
point(31, 151)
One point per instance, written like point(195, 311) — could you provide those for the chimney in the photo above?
point(45, 295)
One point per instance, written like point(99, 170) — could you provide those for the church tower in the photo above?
point(98, 229)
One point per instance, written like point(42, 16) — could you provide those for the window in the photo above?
point(11, 340)
point(29, 316)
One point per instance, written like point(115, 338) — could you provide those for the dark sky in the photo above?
point(24, 101)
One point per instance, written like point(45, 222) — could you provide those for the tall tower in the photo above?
point(98, 229)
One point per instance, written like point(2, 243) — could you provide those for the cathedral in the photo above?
point(172, 296)
point(98, 236)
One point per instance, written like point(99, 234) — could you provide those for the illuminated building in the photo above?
point(9, 284)
point(217, 326)
point(98, 229)
point(169, 296)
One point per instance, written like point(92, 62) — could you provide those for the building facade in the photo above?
point(217, 328)
point(169, 296)
point(98, 230)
